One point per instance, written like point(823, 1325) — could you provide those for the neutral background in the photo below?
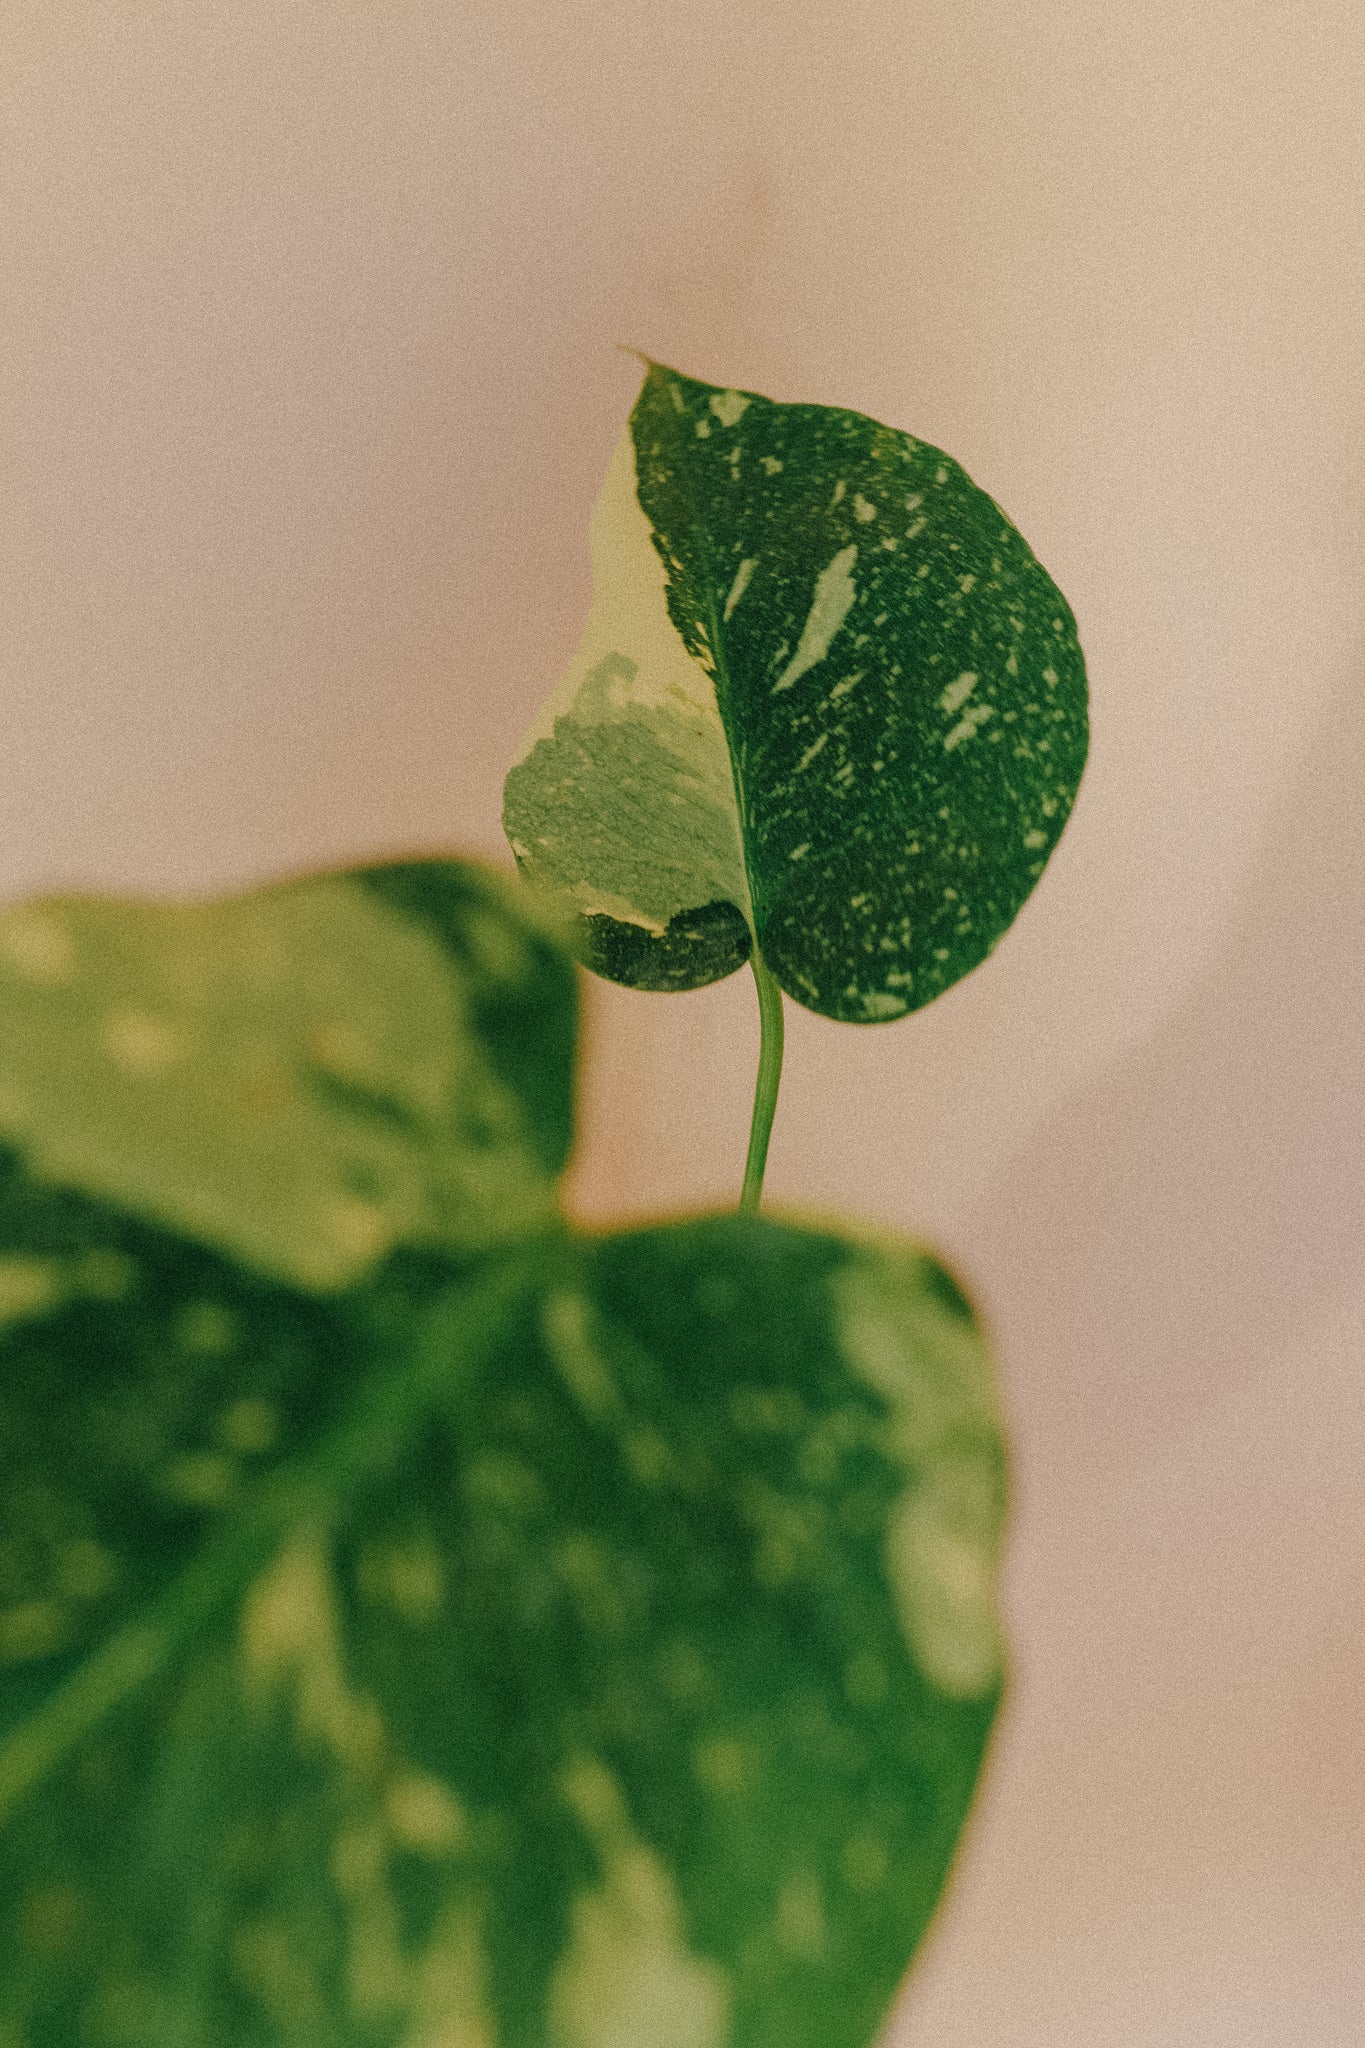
point(307, 378)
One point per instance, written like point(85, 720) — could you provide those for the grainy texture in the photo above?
point(843, 698)
point(304, 1077)
point(492, 1636)
point(632, 1691)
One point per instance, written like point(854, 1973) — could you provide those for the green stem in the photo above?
point(765, 1091)
point(456, 1336)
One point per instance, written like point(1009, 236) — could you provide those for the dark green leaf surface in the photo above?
point(616, 1681)
point(303, 1077)
point(826, 696)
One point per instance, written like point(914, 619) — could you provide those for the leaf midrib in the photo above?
point(456, 1334)
point(719, 681)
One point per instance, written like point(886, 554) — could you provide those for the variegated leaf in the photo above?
point(599, 1655)
point(826, 699)
point(303, 1077)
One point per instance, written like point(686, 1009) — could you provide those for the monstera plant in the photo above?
point(427, 1624)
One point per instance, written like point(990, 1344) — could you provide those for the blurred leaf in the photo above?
point(595, 1654)
point(520, 989)
point(825, 696)
point(303, 1077)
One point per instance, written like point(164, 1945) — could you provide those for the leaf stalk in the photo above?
point(766, 1087)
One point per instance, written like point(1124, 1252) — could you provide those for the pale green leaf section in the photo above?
point(291, 1077)
point(630, 735)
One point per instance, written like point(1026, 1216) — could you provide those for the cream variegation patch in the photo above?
point(670, 770)
point(628, 1977)
point(943, 1542)
point(292, 1645)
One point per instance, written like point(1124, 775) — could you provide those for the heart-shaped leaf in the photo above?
point(303, 1077)
point(599, 1652)
point(826, 697)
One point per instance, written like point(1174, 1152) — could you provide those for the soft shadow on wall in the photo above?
point(1204, 1202)
point(1168, 1849)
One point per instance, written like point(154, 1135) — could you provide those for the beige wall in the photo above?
point(307, 378)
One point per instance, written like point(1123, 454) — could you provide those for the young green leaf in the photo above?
point(303, 1077)
point(826, 699)
point(599, 1653)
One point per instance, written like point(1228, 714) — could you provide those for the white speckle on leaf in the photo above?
point(968, 726)
point(862, 509)
point(771, 465)
point(424, 1814)
point(291, 1640)
point(839, 490)
point(566, 1324)
point(816, 745)
point(941, 474)
point(1035, 839)
point(958, 691)
point(833, 600)
point(729, 406)
point(966, 584)
point(845, 684)
point(740, 584)
point(799, 852)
